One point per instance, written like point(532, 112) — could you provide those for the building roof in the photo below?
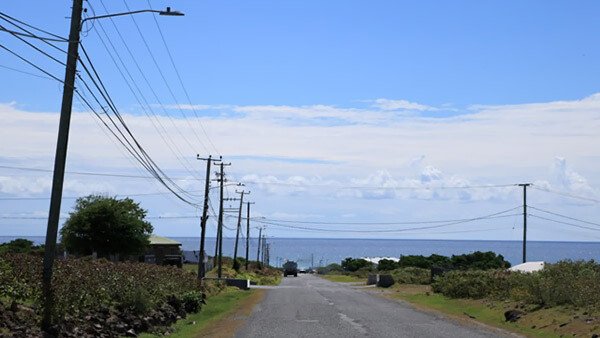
point(528, 267)
point(157, 240)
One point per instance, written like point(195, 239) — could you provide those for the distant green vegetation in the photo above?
point(564, 283)
point(20, 245)
point(354, 264)
point(477, 261)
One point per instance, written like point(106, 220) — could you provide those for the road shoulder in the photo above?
point(227, 324)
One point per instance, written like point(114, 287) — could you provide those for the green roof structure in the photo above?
point(158, 240)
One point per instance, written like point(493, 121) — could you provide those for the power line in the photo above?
point(4, 15)
point(160, 72)
point(93, 173)
point(31, 63)
point(383, 230)
point(565, 223)
point(145, 106)
point(564, 216)
point(566, 194)
point(76, 197)
point(181, 81)
point(29, 35)
point(27, 73)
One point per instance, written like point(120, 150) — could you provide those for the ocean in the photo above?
point(322, 251)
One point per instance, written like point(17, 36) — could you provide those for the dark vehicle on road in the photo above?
point(290, 268)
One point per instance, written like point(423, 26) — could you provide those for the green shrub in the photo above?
point(386, 265)
point(20, 245)
point(84, 285)
point(476, 284)
point(331, 268)
point(569, 283)
point(411, 275)
point(192, 301)
point(479, 260)
point(564, 283)
point(354, 264)
point(423, 262)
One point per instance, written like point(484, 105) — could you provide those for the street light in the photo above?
point(167, 12)
point(61, 149)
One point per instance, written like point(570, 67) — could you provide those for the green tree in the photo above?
point(106, 225)
point(386, 265)
point(350, 264)
point(19, 245)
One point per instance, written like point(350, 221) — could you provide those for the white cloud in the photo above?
point(364, 147)
point(387, 104)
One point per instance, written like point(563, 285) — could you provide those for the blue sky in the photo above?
point(309, 98)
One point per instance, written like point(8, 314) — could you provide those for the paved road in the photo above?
point(308, 306)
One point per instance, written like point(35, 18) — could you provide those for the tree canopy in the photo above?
point(20, 245)
point(106, 225)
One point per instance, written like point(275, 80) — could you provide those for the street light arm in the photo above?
point(168, 12)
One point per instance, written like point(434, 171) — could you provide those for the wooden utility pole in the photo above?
point(264, 245)
point(201, 255)
point(524, 185)
point(221, 180)
point(248, 232)
point(59, 163)
point(258, 246)
point(236, 265)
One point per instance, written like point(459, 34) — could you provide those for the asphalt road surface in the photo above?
point(308, 306)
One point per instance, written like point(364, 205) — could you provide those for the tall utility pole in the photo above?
point(264, 249)
point(237, 233)
point(59, 162)
point(524, 185)
point(258, 246)
point(248, 232)
point(221, 180)
point(201, 255)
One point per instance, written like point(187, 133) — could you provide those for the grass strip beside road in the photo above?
point(545, 322)
point(343, 278)
point(213, 319)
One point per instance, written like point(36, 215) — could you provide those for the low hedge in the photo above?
point(564, 283)
point(411, 275)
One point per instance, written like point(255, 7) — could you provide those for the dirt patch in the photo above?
point(228, 326)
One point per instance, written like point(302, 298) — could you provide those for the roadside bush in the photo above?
point(331, 268)
point(20, 245)
point(479, 260)
point(362, 272)
point(411, 275)
point(84, 285)
point(476, 284)
point(569, 283)
point(424, 262)
point(192, 301)
point(354, 264)
point(564, 283)
point(386, 265)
